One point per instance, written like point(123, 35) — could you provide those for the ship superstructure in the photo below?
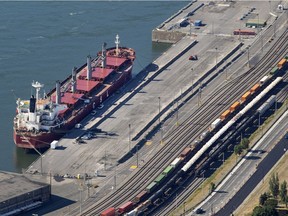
point(45, 118)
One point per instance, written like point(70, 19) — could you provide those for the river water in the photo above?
point(42, 41)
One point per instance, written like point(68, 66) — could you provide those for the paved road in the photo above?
point(220, 201)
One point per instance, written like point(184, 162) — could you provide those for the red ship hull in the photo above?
point(40, 140)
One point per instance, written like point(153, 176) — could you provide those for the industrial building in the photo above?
point(19, 194)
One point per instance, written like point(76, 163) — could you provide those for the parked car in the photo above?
point(199, 211)
point(193, 57)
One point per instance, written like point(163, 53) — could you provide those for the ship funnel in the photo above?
point(37, 86)
point(117, 42)
point(104, 55)
point(58, 93)
point(74, 79)
point(89, 69)
point(32, 106)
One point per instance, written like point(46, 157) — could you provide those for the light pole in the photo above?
point(192, 78)
point(177, 115)
point(129, 137)
point(159, 99)
point(258, 23)
point(248, 49)
point(216, 57)
point(137, 157)
point(184, 208)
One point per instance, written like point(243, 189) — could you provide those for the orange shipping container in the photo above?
point(224, 115)
point(234, 106)
point(245, 96)
point(282, 63)
point(254, 88)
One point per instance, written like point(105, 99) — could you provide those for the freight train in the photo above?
point(171, 176)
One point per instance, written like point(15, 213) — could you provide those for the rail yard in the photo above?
point(152, 140)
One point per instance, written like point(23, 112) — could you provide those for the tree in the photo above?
point(258, 211)
point(263, 198)
point(270, 211)
point(238, 149)
point(271, 202)
point(245, 143)
point(274, 185)
point(264, 211)
point(283, 192)
point(212, 186)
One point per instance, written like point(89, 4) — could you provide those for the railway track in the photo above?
point(189, 130)
point(185, 191)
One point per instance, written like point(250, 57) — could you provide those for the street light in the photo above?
point(129, 137)
point(248, 49)
point(159, 99)
point(216, 57)
point(184, 209)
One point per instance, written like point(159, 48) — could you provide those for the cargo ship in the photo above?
point(47, 117)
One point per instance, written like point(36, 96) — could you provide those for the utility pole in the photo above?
point(129, 137)
point(159, 99)
point(137, 156)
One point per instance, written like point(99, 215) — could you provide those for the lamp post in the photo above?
point(248, 49)
point(129, 137)
point(192, 78)
point(216, 57)
point(184, 208)
point(159, 106)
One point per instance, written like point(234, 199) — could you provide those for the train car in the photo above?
point(143, 206)
point(141, 196)
point(281, 63)
point(168, 170)
point(243, 32)
point(274, 71)
point(177, 161)
point(109, 212)
point(254, 88)
point(264, 80)
point(245, 96)
point(159, 179)
point(234, 106)
point(156, 195)
point(215, 124)
point(151, 187)
point(125, 207)
point(265, 106)
point(224, 115)
point(185, 152)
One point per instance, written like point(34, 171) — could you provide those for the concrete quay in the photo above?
point(156, 86)
point(218, 18)
point(137, 107)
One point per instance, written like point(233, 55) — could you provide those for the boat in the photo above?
point(47, 117)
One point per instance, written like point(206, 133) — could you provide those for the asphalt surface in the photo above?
point(262, 169)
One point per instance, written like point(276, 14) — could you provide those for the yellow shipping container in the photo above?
point(225, 115)
point(281, 63)
point(245, 96)
point(254, 88)
point(234, 106)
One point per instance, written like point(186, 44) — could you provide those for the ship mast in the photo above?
point(104, 55)
point(117, 42)
point(74, 79)
point(38, 87)
point(89, 68)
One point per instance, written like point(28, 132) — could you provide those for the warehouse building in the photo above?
point(19, 194)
